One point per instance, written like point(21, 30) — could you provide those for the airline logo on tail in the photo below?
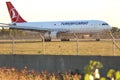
point(14, 15)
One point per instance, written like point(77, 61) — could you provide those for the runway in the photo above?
point(53, 40)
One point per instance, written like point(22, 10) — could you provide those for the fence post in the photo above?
point(13, 42)
point(77, 43)
point(113, 41)
point(43, 43)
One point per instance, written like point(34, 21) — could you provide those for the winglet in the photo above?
point(14, 15)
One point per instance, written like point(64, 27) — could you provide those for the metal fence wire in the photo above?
point(26, 42)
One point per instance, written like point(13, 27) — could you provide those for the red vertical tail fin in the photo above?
point(14, 15)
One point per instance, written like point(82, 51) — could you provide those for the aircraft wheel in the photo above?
point(98, 39)
point(47, 39)
point(64, 39)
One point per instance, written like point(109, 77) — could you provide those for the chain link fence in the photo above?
point(26, 42)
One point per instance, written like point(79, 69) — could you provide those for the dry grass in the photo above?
point(103, 48)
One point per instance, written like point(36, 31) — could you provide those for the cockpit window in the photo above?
point(105, 24)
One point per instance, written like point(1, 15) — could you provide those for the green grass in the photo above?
point(103, 48)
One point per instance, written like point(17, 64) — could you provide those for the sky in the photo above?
point(61, 10)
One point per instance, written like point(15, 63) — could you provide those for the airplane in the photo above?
point(52, 28)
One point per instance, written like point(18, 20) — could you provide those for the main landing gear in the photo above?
point(65, 39)
point(97, 39)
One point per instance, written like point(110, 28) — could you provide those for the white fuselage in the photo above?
point(82, 26)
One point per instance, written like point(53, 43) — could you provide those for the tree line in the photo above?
point(6, 33)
